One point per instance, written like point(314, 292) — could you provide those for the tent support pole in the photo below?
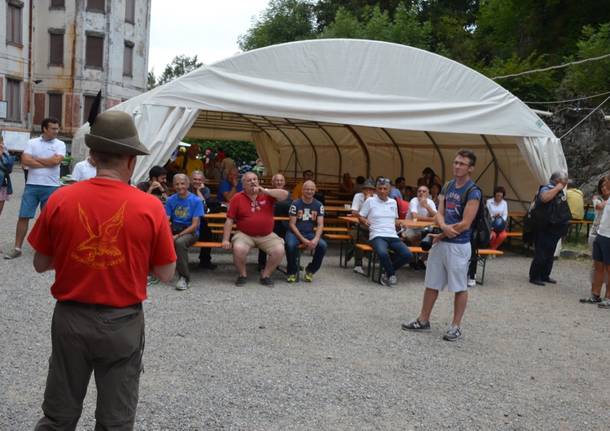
point(331, 139)
point(494, 159)
point(364, 149)
point(402, 162)
point(313, 148)
point(440, 155)
point(484, 170)
point(499, 169)
point(294, 149)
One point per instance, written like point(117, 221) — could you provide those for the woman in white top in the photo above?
point(599, 203)
point(498, 209)
point(601, 257)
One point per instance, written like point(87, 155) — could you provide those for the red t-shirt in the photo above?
point(104, 236)
point(252, 218)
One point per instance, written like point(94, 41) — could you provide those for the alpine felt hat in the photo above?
point(368, 184)
point(114, 132)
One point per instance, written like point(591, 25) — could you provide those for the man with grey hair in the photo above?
point(552, 202)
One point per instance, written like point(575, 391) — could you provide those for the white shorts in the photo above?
point(448, 266)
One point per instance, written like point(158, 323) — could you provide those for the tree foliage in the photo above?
point(180, 65)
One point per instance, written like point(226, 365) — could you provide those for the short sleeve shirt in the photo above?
point(83, 171)
point(102, 253)
point(306, 214)
point(40, 148)
point(454, 212)
point(253, 217)
point(382, 217)
point(415, 207)
point(182, 211)
point(226, 186)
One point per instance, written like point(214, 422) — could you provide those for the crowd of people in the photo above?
point(142, 234)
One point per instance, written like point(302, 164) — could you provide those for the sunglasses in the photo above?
point(383, 181)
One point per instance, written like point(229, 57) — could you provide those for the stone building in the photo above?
point(55, 55)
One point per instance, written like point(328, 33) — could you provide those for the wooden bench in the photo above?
point(203, 244)
point(342, 238)
point(335, 229)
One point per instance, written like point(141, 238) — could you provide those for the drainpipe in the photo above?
point(30, 90)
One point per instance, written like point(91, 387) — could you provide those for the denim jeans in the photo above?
point(292, 250)
point(402, 254)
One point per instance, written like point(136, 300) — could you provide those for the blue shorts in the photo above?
point(601, 249)
point(34, 195)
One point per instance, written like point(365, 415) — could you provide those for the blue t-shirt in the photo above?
point(395, 193)
point(453, 207)
point(306, 214)
point(226, 186)
point(182, 211)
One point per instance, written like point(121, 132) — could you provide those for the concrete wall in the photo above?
point(14, 65)
point(73, 80)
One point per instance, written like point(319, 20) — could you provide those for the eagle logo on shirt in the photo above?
point(100, 250)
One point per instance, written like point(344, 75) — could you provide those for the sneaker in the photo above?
point(292, 278)
point(454, 333)
point(604, 304)
point(393, 280)
point(151, 280)
point(385, 280)
point(358, 270)
point(593, 299)
point(472, 282)
point(241, 281)
point(415, 325)
point(182, 284)
point(13, 254)
point(308, 277)
point(266, 281)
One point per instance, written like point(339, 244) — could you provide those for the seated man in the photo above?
point(199, 189)
point(156, 184)
point(228, 187)
point(380, 214)
point(252, 210)
point(280, 209)
point(306, 214)
point(421, 208)
point(184, 210)
point(360, 233)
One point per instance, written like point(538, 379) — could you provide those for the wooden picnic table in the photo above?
point(338, 209)
point(334, 201)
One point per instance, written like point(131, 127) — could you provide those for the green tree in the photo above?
point(282, 21)
point(591, 77)
point(151, 80)
point(180, 65)
point(345, 25)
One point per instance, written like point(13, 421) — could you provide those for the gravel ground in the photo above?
point(331, 355)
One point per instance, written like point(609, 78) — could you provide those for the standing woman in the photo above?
point(498, 211)
point(599, 203)
point(6, 167)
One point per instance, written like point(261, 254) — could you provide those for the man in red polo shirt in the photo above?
point(101, 255)
point(252, 211)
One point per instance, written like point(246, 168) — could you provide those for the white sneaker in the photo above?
point(151, 280)
point(182, 284)
point(358, 270)
point(472, 282)
point(393, 280)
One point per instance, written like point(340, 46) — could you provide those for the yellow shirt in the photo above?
point(191, 164)
point(576, 203)
point(297, 191)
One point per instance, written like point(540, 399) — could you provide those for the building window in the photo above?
point(94, 57)
point(58, 4)
point(13, 95)
point(56, 106)
point(128, 59)
point(14, 22)
point(96, 5)
point(87, 107)
point(130, 11)
point(56, 51)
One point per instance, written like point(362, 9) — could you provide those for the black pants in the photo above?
point(205, 234)
point(474, 261)
point(106, 341)
point(545, 244)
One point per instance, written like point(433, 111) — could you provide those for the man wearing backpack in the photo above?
point(449, 256)
point(553, 209)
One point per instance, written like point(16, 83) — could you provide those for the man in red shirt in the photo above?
point(101, 255)
point(252, 211)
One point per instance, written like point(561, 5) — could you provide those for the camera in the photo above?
point(426, 234)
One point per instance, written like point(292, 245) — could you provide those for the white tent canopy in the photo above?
point(342, 105)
